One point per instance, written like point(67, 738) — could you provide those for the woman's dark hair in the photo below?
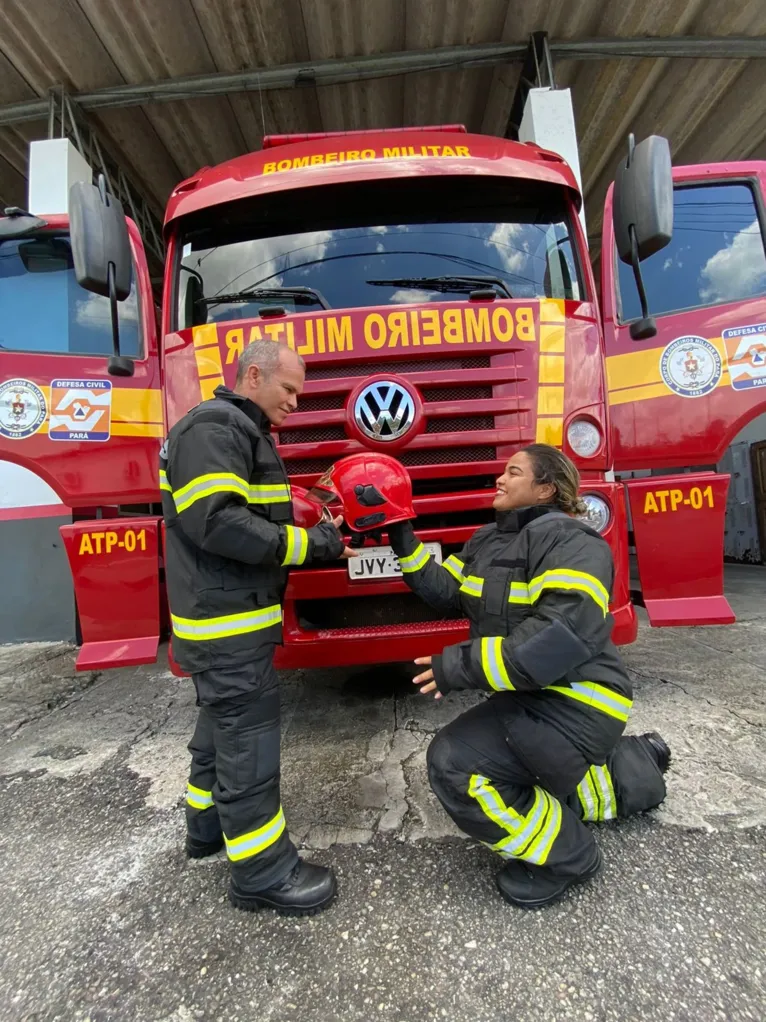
point(550, 465)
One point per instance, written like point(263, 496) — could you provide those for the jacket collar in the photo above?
point(251, 410)
point(514, 521)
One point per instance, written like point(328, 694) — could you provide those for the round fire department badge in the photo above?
point(691, 366)
point(22, 409)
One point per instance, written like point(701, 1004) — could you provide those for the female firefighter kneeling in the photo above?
point(521, 771)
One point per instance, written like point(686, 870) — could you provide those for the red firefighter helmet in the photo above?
point(374, 489)
point(306, 511)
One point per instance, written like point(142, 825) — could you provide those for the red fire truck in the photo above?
point(439, 288)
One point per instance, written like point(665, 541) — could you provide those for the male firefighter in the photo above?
point(230, 539)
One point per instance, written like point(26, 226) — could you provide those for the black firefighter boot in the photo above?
point(305, 891)
point(529, 886)
point(660, 749)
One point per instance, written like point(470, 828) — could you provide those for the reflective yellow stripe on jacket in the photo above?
point(297, 545)
point(455, 567)
point(596, 794)
point(256, 841)
point(416, 560)
point(530, 835)
point(598, 696)
point(494, 666)
point(225, 482)
point(269, 493)
point(224, 627)
point(567, 578)
point(206, 485)
point(472, 585)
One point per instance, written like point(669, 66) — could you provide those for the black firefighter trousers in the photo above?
point(516, 783)
point(234, 778)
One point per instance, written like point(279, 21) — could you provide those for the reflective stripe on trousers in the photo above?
point(197, 798)
point(596, 696)
point(596, 794)
point(226, 626)
point(255, 841)
point(530, 835)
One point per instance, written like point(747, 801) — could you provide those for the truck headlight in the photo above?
point(598, 514)
point(584, 437)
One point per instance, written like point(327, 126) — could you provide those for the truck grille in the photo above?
point(412, 459)
point(473, 404)
point(314, 435)
point(334, 372)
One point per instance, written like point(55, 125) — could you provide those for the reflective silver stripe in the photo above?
point(603, 779)
point(519, 593)
point(472, 585)
point(256, 841)
point(223, 627)
point(493, 806)
point(568, 578)
point(455, 567)
point(596, 696)
point(164, 484)
point(540, 847)
point(531, 836)
point(269, 493)
point(297, 545)
point(206, 485)
point(588, 799)
point(416, 560)
point(493, 664)
point(198, 798)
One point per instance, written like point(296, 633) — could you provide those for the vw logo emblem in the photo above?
point(384, 410)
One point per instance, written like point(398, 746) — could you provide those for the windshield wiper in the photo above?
point(300, 295)
point(445, 284)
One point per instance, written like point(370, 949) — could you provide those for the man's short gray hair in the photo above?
point(264, 354)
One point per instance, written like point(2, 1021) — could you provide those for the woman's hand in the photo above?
point(426, 679)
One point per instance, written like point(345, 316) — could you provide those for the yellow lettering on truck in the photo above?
point(659, 501)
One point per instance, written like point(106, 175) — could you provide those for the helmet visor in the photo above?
point(324, 492)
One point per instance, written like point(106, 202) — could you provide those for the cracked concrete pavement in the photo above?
point(103, 918)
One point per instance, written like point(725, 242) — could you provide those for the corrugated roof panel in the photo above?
point(709, 109)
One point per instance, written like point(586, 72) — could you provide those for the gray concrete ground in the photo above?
point(102, 918)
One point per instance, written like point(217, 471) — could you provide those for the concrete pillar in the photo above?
point(54, 166)
point(549, 122)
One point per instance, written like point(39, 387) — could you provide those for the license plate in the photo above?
point(381, 562)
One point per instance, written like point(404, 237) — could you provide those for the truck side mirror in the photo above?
point(642, 211)
point(101, 254)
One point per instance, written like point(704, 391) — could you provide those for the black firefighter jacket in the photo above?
point(229, 535)
point(536, 587)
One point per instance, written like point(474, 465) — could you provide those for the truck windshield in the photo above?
point(43, 309)
point(377, 243)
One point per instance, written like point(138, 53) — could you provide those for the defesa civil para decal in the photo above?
point(81, 410)
point(691, 366)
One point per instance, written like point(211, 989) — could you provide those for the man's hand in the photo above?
point(347, 551)
point(426, 679)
